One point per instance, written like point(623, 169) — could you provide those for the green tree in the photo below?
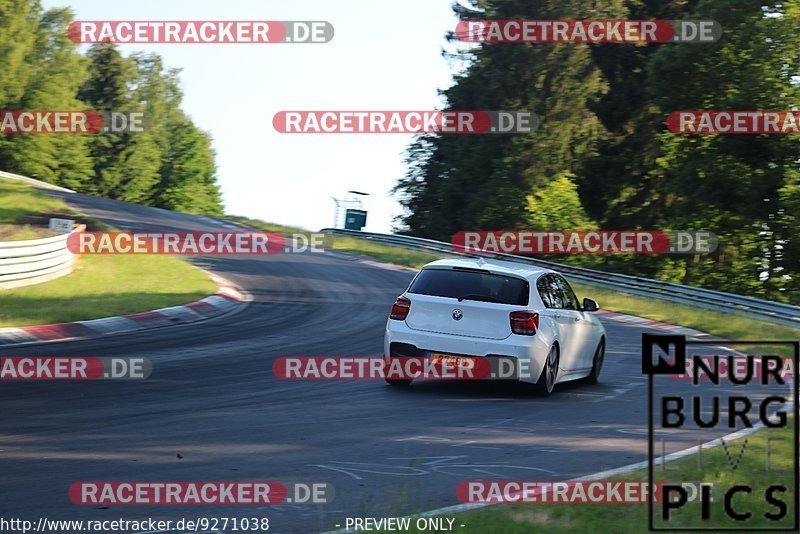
point(483, 181)
point(557, 206)
point(731, 184)
point(602, 109)
point(18, 23)
point(54, 72)
point(42, 70)
point(107, 89)
point(188, 181)
point(186, 172)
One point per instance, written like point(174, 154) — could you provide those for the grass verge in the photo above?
point(359, 247)
point(385, 253)
point(721, 324)
point(624, 518)
point(106, 285)
point(13, 232)
point(17, 200)
point(264, 226)
point(101, 285)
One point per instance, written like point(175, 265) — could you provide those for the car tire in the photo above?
point(597, 363)
point(400, 383)
point(547, 381)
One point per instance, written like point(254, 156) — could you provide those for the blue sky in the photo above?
point(385, 55)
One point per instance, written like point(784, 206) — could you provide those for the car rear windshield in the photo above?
point(471, 285)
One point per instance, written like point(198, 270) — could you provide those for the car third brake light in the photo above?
point(400, 309)
point(524, 323)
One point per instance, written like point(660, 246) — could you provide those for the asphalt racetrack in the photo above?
point(213, 411)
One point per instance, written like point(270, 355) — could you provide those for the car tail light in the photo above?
point(400, 309)
point(524, 323)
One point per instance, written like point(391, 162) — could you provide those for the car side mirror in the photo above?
point(590, 305)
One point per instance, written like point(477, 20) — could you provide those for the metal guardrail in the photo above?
point(776, 312)
point(37, 183)
point(34, 261)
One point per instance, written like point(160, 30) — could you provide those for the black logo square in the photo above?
point(656, 349)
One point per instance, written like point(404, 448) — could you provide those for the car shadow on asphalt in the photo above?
point(488, 389)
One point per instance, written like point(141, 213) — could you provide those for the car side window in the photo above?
point(555, 292)
point(544, 292)
point(570, 300)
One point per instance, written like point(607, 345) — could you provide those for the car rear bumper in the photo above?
point(524, 355)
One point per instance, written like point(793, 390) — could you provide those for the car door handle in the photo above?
point(557, 315)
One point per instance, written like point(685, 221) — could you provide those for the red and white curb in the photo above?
point(224, 301)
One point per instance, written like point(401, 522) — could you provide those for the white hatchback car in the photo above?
point(498, 310)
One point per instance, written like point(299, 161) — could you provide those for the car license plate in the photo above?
point(445, 360)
